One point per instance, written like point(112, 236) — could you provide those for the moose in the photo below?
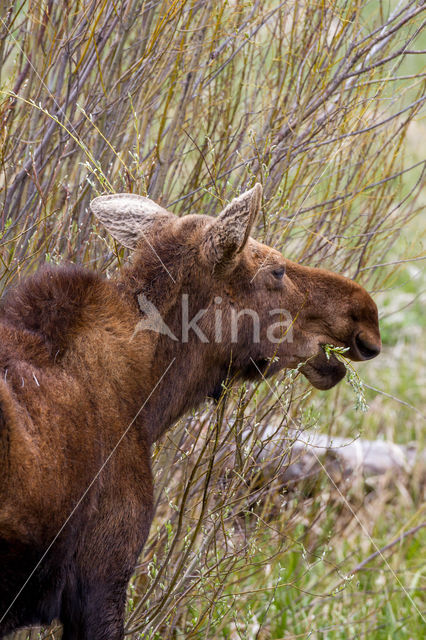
point(87, 386)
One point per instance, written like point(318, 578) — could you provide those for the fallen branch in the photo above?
point(308, 451)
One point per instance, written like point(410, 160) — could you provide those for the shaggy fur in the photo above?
point(76, 376)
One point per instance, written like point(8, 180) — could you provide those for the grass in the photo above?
point(192, 102)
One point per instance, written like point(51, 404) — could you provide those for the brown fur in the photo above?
point(76, 376)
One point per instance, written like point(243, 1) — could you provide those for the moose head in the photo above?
point(227, 303)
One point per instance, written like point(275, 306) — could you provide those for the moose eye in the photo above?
point(279, 273)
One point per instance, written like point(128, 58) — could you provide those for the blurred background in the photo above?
point(191, 102)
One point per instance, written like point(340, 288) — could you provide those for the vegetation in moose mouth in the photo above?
point(192, 103)
point(331, 372)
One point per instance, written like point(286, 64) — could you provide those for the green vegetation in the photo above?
point(190, 102)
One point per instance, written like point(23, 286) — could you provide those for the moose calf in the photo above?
point(88, 384)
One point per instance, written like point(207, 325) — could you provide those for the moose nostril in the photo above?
point(366, 349)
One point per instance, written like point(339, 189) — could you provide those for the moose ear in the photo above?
point(228, 234)
point(128, 217)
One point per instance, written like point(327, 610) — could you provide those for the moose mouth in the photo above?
point(323, 372)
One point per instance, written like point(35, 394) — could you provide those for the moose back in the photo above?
point(93, 371)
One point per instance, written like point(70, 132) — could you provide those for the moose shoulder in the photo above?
point(94, 371)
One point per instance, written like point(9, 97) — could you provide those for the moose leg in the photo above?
point(94, 598)
point(94, 611)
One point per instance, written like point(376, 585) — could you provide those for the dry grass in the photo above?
point(191, 101)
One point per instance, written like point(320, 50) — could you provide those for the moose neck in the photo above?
point(183, 369)
point(183, 376)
